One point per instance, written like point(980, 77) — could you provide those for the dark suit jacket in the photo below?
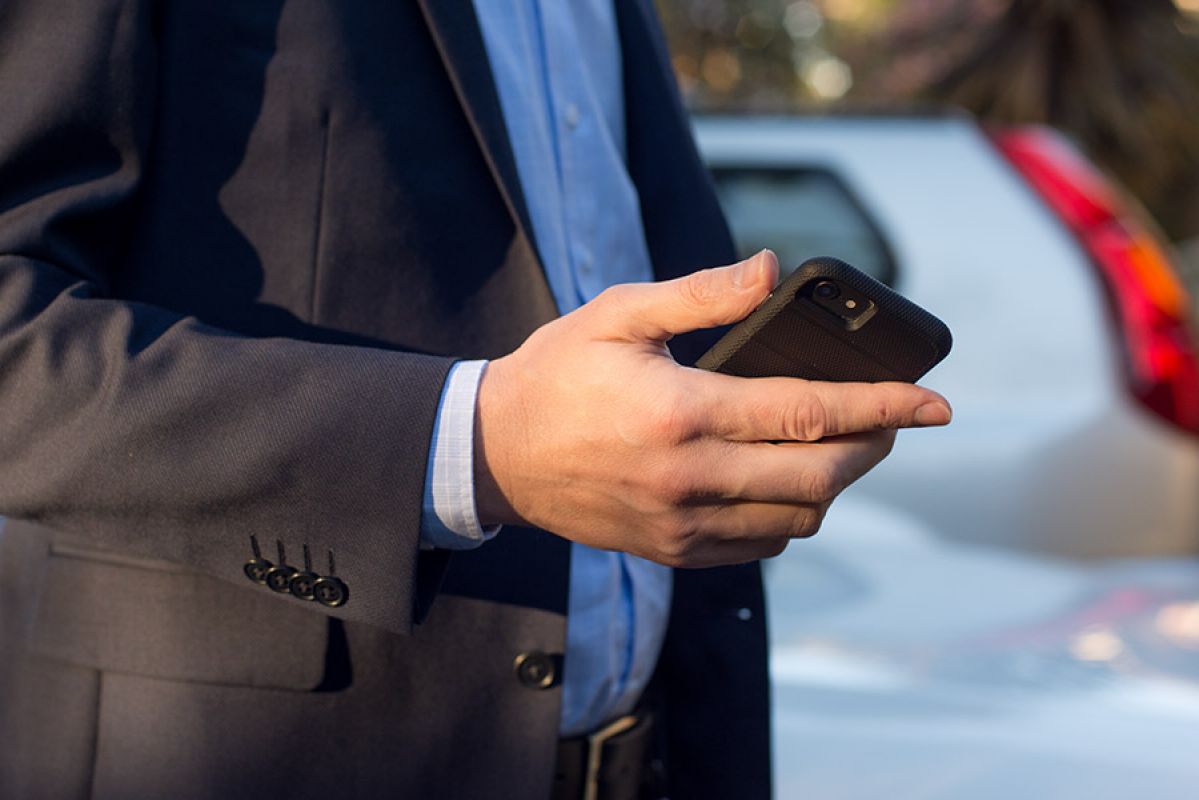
point(240, 245)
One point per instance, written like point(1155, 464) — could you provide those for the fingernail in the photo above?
point(933, 414)
point(749, 270)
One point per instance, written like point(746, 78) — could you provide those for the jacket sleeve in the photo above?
point(152, 433)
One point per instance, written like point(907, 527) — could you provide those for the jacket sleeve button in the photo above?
point(277, 578)
point(303, 585)
point(331, 592)
point(536, 670)
point(256, 569)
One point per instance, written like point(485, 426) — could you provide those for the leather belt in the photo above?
point(606, 765)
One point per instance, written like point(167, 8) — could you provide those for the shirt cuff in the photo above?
point(449, 518)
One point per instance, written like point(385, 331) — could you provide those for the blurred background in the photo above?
point(1120, 76)
point(1008, 607)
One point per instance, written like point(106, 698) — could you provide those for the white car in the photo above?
point(1073, 376)
point(906, 666)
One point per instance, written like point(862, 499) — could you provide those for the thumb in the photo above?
point(704, 299)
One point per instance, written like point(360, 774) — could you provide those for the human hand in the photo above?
point(591, 430)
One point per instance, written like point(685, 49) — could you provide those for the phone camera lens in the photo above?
point(827, 290)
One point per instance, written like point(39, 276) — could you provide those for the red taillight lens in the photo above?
point(1151, 306)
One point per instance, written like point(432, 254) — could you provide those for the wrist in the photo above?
point(494, 423)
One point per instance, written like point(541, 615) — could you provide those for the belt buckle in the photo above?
point(595, 749)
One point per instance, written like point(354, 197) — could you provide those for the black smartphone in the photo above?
point(830, 322)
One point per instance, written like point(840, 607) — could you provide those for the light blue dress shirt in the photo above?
point(557, 66)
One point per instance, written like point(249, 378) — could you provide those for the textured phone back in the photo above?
point(796, 338)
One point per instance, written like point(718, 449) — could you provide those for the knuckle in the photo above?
point(885, 415)
point(807, 524)
point(677, 541)
point(807, 420)
point(676, 486)
point(879, 444)
point(615, 294)
point(671, 419)
point(613, 299)
point(824, 484)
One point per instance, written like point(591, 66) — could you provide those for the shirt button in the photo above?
point(745, 614)
point(536, 670)
point(571, 116)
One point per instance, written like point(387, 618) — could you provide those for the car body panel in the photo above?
point(1048, 450)
point(906, 665)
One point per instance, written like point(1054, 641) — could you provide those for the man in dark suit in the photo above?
point(241, 248)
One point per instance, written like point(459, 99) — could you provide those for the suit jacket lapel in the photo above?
point(459, 40)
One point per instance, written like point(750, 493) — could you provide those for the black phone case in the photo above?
point(790, 335)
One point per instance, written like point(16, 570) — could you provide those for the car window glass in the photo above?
point(800, 214)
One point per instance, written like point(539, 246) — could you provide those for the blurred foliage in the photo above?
point(1120, 76)
point(768, 55)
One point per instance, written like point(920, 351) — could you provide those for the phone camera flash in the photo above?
point(851, 304)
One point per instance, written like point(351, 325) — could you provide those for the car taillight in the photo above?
point(1151, 305)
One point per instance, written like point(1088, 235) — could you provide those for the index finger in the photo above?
point(797, 410)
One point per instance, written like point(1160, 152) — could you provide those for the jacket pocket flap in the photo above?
point(118, 616)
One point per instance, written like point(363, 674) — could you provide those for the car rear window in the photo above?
point(801, 213)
